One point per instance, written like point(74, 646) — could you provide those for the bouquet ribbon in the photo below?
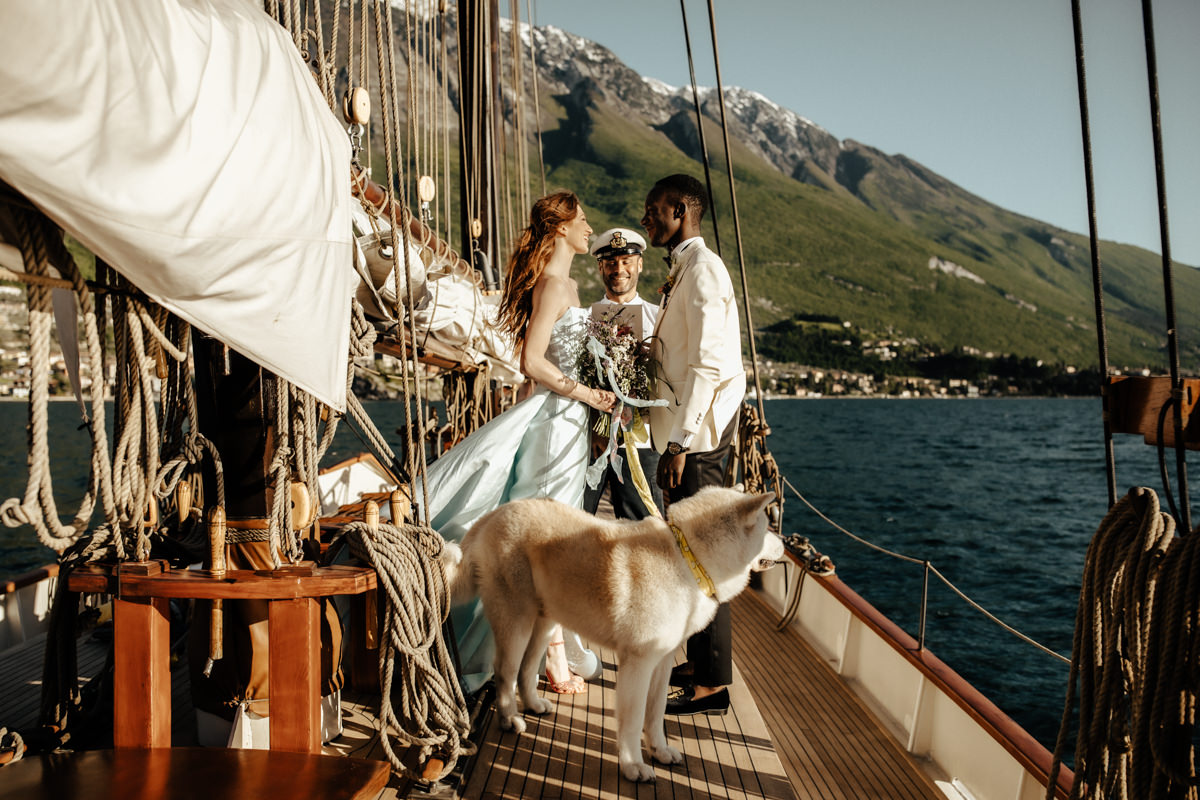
point(611, 455)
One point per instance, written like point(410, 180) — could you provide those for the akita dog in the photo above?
point(639, 588)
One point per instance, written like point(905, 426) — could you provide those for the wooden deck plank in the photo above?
point(21, 677)
point(831, 745)
point(580, 760)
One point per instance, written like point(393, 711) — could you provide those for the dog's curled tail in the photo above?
point(460, 577)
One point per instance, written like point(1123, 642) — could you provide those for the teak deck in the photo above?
point(795, 730)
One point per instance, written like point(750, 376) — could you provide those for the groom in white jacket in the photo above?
point(698, 347)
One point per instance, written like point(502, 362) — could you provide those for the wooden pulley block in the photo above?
point(476, 228)
point(426, 189)
point(304, 510)
point(150, 518)
point(356, 106)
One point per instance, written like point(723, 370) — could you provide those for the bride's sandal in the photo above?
point(572, 684)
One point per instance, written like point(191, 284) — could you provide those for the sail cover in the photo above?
point(185, 143)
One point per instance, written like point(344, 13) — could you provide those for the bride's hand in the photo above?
point(601, 400)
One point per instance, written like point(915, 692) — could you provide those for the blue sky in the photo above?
point(981, 91)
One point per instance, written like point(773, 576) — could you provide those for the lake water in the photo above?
point(1002, 496)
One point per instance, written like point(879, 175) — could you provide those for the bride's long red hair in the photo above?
point(529, 258)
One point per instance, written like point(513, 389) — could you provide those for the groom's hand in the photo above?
point(670, 471)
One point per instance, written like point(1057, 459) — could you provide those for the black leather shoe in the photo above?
point(681, 675)
point(685, 703)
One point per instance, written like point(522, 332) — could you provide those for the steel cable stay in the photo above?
point(687, 40)
point(1129, 681)
point(537, 109)
point(1177, 390)
point(928, 566)
point(1094, 239)
point(1181, 507)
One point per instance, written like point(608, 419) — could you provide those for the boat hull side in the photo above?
point(970, 744)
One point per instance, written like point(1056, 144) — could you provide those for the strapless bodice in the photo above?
point(567, 340)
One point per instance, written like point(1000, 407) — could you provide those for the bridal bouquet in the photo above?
point(618, 348)
point(618, 359)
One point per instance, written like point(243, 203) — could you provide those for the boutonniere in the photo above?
point(668, 284)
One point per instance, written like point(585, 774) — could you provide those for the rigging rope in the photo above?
point(1177, 390)
point(41, 247)
point(433, 710)
point(136, 430)
point(414, 453)
point(712, 199)
point(737, 227)
point(1094, 239)
point(537, 108)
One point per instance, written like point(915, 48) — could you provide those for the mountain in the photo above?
point(836, 227)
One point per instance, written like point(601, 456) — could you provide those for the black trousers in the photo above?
point(626, 502)
point(709, 651)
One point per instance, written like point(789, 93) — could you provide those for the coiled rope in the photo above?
point(181, 431)
point(433, 713)
point(1133, 658)
point(759, 472)
point(136, 454)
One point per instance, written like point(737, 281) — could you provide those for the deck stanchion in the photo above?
point(924, 607)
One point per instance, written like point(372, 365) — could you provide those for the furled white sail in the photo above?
point(186, 143)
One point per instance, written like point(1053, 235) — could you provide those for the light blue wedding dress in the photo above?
point(537, 448)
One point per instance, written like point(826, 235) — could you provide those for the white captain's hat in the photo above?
point(618, 242)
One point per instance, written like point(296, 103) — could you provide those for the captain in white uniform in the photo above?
point(618, 255)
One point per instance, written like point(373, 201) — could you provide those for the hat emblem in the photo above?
point(618, 240)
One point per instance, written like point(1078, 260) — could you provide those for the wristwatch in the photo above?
point(675, 448)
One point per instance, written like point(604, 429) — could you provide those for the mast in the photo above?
point(479, 101)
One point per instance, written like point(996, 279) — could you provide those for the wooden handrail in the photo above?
point(29, 578)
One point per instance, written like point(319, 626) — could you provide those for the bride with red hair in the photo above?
point(539, 447)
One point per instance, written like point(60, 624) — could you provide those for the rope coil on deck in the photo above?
point(433, 713)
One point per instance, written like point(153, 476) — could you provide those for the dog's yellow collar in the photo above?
point(706, 584)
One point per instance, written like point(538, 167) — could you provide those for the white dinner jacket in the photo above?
point(698, 344)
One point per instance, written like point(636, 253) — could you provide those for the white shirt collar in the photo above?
point(679, 248)
point(637, 299)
